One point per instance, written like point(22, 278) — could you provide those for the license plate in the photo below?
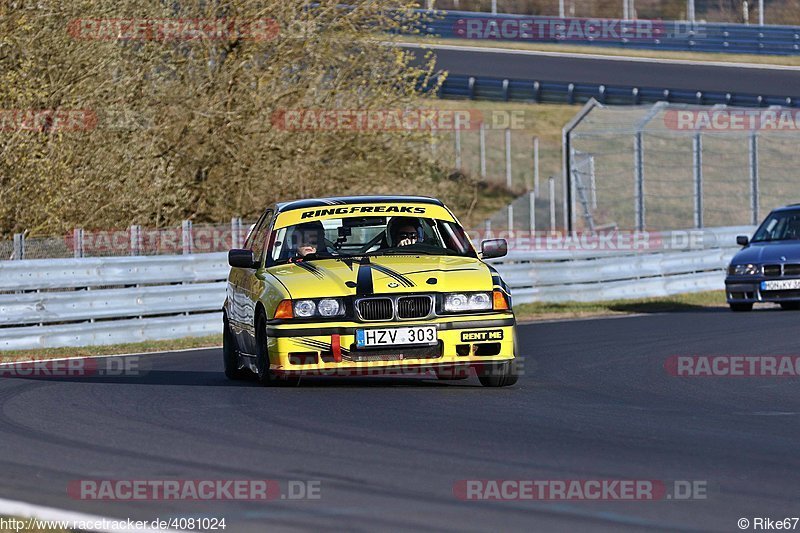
point(424, 335)
point(780, 285)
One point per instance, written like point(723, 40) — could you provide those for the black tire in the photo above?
point(741, 308)
point(264, 374)
point(503, 375)
point(790, 306)
point(230, 357)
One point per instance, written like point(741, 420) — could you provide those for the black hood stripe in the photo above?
point(404, 281)
point(313, 269)
point(364, 278)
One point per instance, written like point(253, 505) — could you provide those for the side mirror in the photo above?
point(742, 240)
point(242, 259)
point(494, 248)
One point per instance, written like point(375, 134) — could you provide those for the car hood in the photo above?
point(383, 275)
point(769, 252)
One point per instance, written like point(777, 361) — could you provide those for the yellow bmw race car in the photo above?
point(366, 285)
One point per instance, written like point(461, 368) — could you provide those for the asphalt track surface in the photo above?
point(619, 71)
point(594, 403)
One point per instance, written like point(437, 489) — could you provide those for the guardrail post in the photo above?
point(697, 175)
point(136, 239)
point(471, 88)
point(638, 181)
point(77, 242)
point(505, 90)
point(537, 91)
point(510, 213)
point(186, 236)
point(19, 246)
point(508, 158)
point(754, 192)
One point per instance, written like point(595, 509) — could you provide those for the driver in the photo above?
point(403, 231)
point(307, 238)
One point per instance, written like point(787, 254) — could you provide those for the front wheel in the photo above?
point(740, 308)
point(230, 357)
point(502, 375)
point(264, 375)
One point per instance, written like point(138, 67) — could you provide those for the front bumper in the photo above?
point(468, 341)
point(741, 289)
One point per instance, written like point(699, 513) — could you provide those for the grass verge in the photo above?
point(614, 51)
point(679, 303)
point(112, 349)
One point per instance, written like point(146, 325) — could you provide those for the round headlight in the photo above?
point(304, 308)
point(329, 307)
point(455, 302)
point(480, 300)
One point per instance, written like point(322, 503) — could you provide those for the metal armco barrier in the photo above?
point(532, 90)
point(94, 301)
point(667, 35)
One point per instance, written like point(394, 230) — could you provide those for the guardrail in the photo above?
point(505, 89)
point(666, 35)
point(80, 302)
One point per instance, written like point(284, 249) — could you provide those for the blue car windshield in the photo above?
point(779, 226)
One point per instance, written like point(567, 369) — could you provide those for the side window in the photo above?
point(261, 234)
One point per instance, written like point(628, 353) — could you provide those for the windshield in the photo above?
point(779, 226)
point(368, 236)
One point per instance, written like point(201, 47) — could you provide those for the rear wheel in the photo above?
point(502, 375)
point(790, 306)
point(230, 357)
point(740, 308)
point(265, 375)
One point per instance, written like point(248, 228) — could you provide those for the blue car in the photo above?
point(767, 269)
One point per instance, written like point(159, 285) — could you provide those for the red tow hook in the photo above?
point(336, 348)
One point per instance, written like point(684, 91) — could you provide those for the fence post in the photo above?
point(697, 175)
point(510, 212)
point(536, 166)
point(77, 242)
point(19, 246)
point(508, 157)
point(136, 239)
point(552, 184)
point(482, 133)
point(754, 193)
point(592, 182)
point(236, 232)
point(186, 236)
point(458, 148)
point(638, 185)
point(532, 212)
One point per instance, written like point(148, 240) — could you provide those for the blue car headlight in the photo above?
point(747, 269)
